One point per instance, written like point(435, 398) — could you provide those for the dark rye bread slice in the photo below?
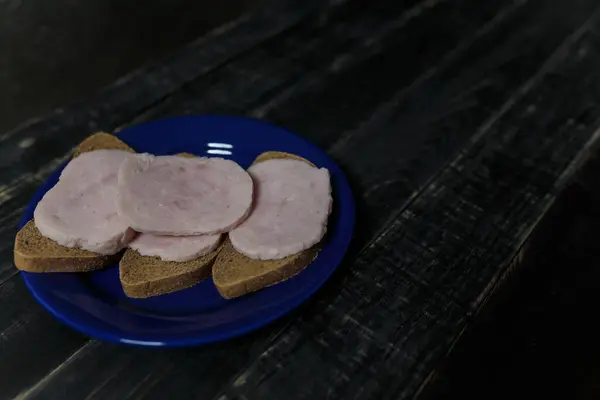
point(235, 275)
point(36, 253)
point(146, 276)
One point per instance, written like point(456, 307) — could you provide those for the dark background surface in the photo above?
point(53, 53)
point(534, 338)
point(538, 338)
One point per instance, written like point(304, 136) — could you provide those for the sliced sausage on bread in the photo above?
point(235, 274)
point(178, 196)
point(147, 276)
point(36, 253)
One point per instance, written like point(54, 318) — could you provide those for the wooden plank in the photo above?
point(31, 340)
point(546, 302)
point(248, 84)
point(106, 370)
point(327, 105)
point(454, 241)
point(356, 55)
point(421, 312)
point(141, 367)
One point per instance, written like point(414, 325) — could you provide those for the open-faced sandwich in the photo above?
point(182, 205)
point(76, 227)
point(282, 234)
point(172, 220)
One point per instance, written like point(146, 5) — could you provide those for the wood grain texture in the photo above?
point(356, 63)
point(290, 60)
point(31, 341)
point(454, 139)
point(453, 242)
point(544, 345)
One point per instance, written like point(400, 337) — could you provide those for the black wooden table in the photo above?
point(458, 123)
point(538, 336)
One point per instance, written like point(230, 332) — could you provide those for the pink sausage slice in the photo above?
point(81, 209)
point(173, 195)
point(290, 214)
point(175, 248)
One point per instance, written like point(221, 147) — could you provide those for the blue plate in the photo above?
point(94, 303)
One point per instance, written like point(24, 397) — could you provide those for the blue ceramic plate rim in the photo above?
point(340, 238)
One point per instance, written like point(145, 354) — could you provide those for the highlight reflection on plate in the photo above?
point(94, 303)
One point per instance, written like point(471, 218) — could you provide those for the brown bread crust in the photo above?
point(144, 276)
